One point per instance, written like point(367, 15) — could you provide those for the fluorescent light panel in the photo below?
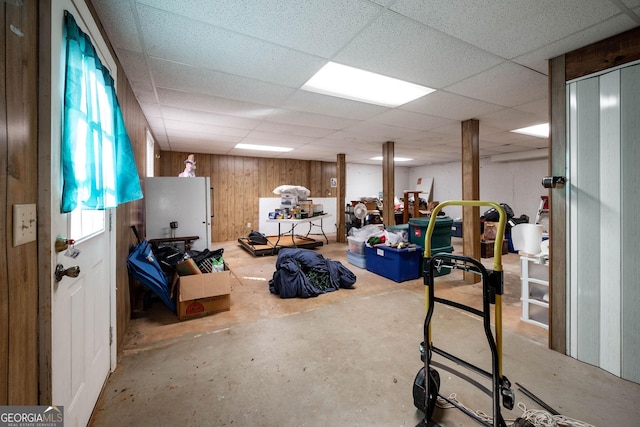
point(541, 130)
point(395, 159)
point(352, 83)
point(242, 146)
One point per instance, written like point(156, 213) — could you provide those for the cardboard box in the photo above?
point(487, 248)
point(204, 294)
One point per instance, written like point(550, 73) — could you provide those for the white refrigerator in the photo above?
point(185, 201)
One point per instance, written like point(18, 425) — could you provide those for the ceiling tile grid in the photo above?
point(210, 73)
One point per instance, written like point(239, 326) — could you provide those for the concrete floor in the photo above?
point(346, 358)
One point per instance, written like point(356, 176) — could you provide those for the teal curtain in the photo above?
point(98, 166)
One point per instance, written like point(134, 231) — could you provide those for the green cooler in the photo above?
point(440, 238)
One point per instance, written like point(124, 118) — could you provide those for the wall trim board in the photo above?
point(606, 54)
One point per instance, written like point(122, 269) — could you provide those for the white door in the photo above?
point(82, 308)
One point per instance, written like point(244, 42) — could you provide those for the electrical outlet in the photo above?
point(248, 225)
point(24, 224)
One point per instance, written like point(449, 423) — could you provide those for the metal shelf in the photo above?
point(535, 282)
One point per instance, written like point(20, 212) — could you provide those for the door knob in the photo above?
point(71, 272)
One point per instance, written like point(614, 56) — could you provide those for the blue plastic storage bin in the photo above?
point(357, 259)
point(398, 265)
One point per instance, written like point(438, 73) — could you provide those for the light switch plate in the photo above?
point(24, 224)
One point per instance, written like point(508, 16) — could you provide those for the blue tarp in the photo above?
point(306, 273)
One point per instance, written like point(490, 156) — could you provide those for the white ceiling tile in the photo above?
point(313, 132)
point(451, 106)
point(509, 138)
point(507, 84)
point(291, 23)
point(397, 47)
point(213, 104)
point(538, 108)
point(411, 120)
point(508, 28)
point(184, 78)
point(195, 116)
point(151, 109)
point(198, 135)
point(509, 119)
point(332, 105)
point(282, 138)
point(144, 92)
point(381, 132)
point(307, 119)
point(118, 20)
point(226, 68)
point(191, 42)
point(538, 59)
point(204, 129)
point(134, 63)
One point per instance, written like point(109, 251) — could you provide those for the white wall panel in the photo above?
point(610, 222)
point(604, 232)
point(630, 137)
point(588, 221)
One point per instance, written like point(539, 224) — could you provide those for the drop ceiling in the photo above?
point(210, 74)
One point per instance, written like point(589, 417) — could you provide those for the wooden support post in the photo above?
point(388, 183)
point(341, 232)
point(471, 191)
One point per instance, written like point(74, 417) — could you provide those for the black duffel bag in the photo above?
point(492, 214)
point(257, 238)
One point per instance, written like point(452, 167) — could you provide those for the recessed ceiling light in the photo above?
point(395, 159)
point(262, 147)
point(541, 130)
point(359, 85)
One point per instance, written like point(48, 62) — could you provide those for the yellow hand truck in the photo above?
point(426, 388)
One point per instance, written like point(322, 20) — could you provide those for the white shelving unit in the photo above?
point(535, 291)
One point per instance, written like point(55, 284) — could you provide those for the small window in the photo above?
point(84, 224)
point(151, 154)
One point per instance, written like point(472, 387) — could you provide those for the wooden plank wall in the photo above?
point(18, 185)
point(239, 182)
point(132, 213)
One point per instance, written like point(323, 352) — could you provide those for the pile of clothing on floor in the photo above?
point(306, 273)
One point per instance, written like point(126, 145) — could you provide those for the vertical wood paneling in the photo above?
point(4, 280)
point(132, 213)
point(239, 182)
point(630, 138)
point(19, 311)
point(45, 269)
point(610, 237)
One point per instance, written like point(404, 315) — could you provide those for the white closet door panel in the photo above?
point(630, 243)
point(610, 222)
point(588, 221)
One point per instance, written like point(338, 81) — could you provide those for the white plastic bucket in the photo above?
point(527, 238)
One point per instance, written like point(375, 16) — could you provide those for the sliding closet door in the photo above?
point(630, 207)
point(604, 233)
